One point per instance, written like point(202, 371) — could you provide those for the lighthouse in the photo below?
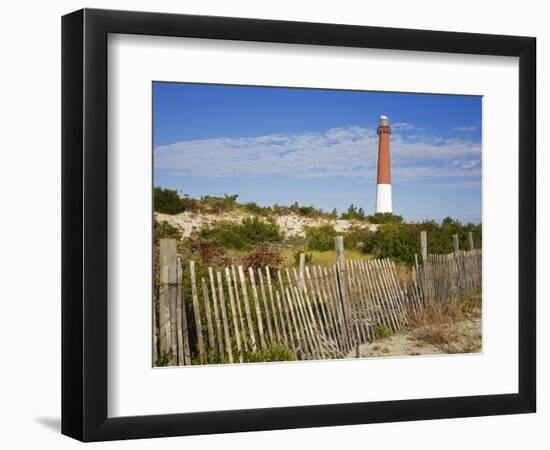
point(383, 182)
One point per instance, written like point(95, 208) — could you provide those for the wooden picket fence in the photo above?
point(448, 277)
point(208, 315)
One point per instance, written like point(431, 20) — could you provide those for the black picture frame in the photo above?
point(84, 224)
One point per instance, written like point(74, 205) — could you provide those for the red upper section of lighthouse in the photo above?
point(384, 164)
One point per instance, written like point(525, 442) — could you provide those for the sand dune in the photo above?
point(291, 224)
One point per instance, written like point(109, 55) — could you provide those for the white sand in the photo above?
point(464, 337)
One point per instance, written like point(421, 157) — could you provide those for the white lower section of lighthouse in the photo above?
point(383, 198)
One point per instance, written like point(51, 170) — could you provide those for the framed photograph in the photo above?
point(273, 225)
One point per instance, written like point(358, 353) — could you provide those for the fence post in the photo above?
point(301, 279)
point(340, 272)
point(471, 240)
point(155, 336)
point(424, 245)
point(167, 298)
point(455, 244)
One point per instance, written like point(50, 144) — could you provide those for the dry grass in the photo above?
point(327, 258)
point(403, 272)
point(445, 325)
point(451, 328)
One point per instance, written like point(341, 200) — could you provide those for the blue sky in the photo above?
point(319, 147)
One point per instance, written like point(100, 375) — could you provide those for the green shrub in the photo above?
point(383, 218)
point(254, 208)
point(307, 211)
point(382, 331)
point(245, 235)
point(231, 199)
point(355, 236)
point(167, 201)
point(210, 356)
point(353, 213)
point(226, 234)
point(257, 231)
point(215, 205)
point(320, 238)
point(275, 353)
point(394, 241)
point(300, 210)
point(223, 233)
point(163, 359)
point(189, 204)
point(402, 241)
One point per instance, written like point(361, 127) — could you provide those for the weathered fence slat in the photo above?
point(181, 319)
point(211, 339)
point(471, 240)
point(364, 313)
point(301, 279)
point(299, 316)
point(281, 333)
point(379, 315)
point(296, 337)
point(259, 321)
point(164, 312)
point(224, 318)
point(334, 304)
point(285, 309)
point(217, 318)
point(247, 309)
point(266, 307)
point(196, 309)
point(316, 299)
point(304, 322)
point(236, 329)
point(239, 309)
point(342, 306)
point(288, 338)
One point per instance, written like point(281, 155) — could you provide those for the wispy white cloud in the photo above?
point(403, 126)
point(458, 185)
point(466, 164)
point(346, 151)
point(465, 128)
